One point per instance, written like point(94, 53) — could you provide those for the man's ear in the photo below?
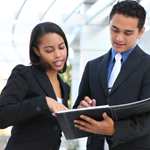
point(141, 32)
point(36, 51)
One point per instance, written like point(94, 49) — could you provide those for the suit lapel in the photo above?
point(131, 63)
point(103, 71)
point(44, 81)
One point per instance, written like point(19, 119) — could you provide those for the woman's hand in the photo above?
point(55, 106)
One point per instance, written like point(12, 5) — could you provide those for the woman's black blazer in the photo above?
point(23, 106)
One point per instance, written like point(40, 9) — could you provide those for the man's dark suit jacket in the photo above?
point(132, 84)
point(23, 105)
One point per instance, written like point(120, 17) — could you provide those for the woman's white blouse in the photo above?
point(60, 100)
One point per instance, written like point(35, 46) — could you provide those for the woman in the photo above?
point(33, 94)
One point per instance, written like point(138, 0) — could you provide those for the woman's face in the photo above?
point(52, 50)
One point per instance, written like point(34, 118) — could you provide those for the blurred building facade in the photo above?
point(85, 23)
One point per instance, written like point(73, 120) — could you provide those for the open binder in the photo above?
point(116, 112)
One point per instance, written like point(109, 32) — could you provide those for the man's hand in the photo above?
point(87, 102)
point(104, 127)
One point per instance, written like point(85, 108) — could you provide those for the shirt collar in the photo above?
point(124, 55)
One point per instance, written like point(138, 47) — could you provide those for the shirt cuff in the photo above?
point(110, 137)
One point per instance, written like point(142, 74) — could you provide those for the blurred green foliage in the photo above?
point(72, 144)
point(67, 77)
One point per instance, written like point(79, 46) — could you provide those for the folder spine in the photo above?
point(70, 136)
point(62, 119)
point(112, 113)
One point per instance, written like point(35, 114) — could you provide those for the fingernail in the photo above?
point(81, 116)
point(75, 125)
point(104, 114)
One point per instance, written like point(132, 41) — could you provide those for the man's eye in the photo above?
point(128, 33)
point(114, 30)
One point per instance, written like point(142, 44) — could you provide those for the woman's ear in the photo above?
point(36, 51)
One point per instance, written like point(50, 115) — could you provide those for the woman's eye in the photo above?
point(61, 47)
point(49, 51)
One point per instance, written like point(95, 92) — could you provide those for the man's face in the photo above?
point(124, 32)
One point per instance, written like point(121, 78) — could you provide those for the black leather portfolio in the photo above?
point(116, 112)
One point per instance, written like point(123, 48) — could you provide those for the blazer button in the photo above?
point(55, 127)
point(122, 142)
point(38, 108)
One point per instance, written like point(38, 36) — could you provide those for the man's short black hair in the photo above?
point(130, 9)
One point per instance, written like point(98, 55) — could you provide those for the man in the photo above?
point(127, 20)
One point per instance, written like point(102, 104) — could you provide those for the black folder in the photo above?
point(116, 112)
